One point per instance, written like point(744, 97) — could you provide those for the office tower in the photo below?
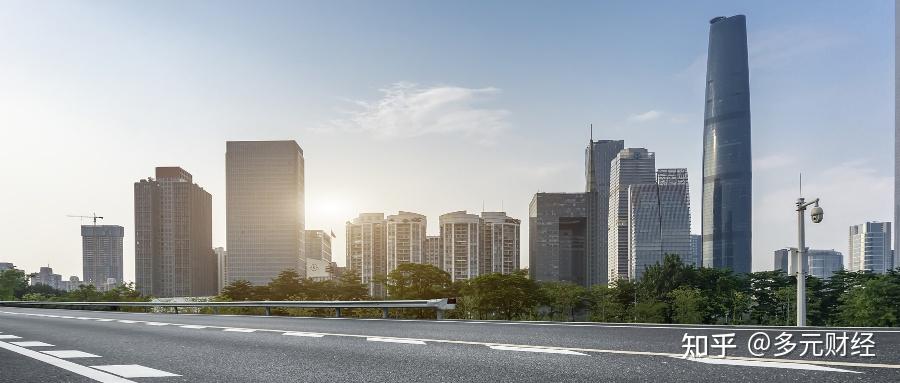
point(265, 210)
point(696, 250)
point(896, 253)
point(820, 263)
point(101, 254)
point(45, 276)
point(599, 154)
point(499, 243)
point(367, 248)
point(221, 261)
point(870, 247)
point(461, 235)
point(727, 171)
point(7, 266)
point(659, 221)
point(405, 239)
point(173, 253)
point(632, 166)
point(318, 245)
point(434, 254)
point(558, 236)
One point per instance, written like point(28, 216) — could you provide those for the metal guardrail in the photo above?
point(438, 305)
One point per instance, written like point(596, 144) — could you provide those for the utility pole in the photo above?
point(802, 262)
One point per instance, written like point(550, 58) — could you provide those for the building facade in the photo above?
point(45, 276)
point(820, 263)
point(659, 221)
point(173, 236)
point(558, 235)
point(434, 254)
point(367, 249)
point(632, 166)
point(499, 243)
point(870, 247)
point(265, 210)
point(405, 239)
point(727, 166)
point(598, 156)
point(221, 261)
point(461, 236)
point(318, 245)
point(696, 250)
point(101, 254)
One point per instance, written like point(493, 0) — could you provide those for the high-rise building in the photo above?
point(820, 263)
point(727, 166)
point(696, 250)
point(896, 144)
point(265, 210)
point(405, 239)
point(318, 245)
point(659, 221)
point(461, 235)
point(7, 266)
point(173, 252)
point(101, 254)
point(221, 261)
point(499, 243)
point(367, 248)
point(434, 254)
point(870, 247)
point(598, 156)
point(45, 276)
point(558, 236)
point(632, 166)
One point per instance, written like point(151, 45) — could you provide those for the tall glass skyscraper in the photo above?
point(727, 172)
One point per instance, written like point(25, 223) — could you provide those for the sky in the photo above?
point(427, 106)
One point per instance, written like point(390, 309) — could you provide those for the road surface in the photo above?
point(91, 346)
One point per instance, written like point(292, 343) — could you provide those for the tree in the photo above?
point(239, 290)
point(563, 298)
point(604, 305)
point(84, 293)
point(285, 286)
point(650, 311)
point(687, 305)
point(505, 296)
point(875, 303)
point(351, 288)
point(11, 282)
point(418, 281)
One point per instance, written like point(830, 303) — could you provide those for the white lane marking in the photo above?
point(126, 321)
point(538, 349)
point(194, 326)
point(240, 329)
point(7, 336)
point(758, 363)
point(69, 354)
point(306, 334)
point(85, 371)
point(157, 324)
point(104, 320)
point(32, 344)
point(134, 371)
point(84, 318)
point(395, 340)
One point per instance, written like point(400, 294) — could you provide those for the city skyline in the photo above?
point(534, 138)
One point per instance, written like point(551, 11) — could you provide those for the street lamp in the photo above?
point(817, 214)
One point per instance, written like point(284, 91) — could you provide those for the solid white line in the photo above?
point(757, 363)
point(134, 371)
point(68, 354)
point(538, 349)
point(395, 340)
point(32, 344)
point(84, 371)
point(306, 334)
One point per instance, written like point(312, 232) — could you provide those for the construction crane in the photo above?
point(93, 217)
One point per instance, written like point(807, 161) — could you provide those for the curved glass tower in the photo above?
point(727, 173)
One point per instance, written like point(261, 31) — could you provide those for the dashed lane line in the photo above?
point(766, 364)
point(32, 344)
point(231, 329)
point(134, 371)
point(304, 334)
point(84, 371)
point(395, 340)
point(7, 336)
point(70, 354)
point(536, 349)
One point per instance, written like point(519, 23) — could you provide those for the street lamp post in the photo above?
point(817, 214)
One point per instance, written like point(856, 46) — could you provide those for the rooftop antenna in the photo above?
point(592, 132)
point(801, 184)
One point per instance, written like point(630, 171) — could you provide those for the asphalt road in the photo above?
point(88, 346)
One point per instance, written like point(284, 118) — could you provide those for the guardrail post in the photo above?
point(337, 312)
point(384, 313)
point(268, 311)
point(216, 310)
point(176, 309)
point(439, 313)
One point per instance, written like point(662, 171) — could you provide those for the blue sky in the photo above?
point(428, 107)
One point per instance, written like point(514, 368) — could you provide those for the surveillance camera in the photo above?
point(817, 214)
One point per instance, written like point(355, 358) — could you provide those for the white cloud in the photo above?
point(409, 110)
point(773, 161)
point(646, 116)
